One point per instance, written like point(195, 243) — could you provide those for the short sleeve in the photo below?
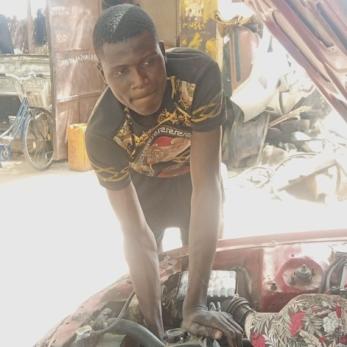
point(109, 161)
point(208, 108)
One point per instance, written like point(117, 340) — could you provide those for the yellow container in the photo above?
point(77, 153)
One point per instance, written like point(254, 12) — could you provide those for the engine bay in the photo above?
point(267, 271)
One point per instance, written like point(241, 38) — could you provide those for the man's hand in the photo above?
point(201, 322)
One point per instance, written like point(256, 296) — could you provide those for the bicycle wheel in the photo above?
point(38, 139)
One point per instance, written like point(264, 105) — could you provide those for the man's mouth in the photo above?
point(144, 96)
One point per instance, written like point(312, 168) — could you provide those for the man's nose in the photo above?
point(139, 78)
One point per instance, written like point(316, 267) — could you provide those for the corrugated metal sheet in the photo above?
point(76, 81)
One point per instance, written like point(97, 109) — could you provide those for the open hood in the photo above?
point(315, 33)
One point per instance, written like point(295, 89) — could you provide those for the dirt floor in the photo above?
point(60, 241)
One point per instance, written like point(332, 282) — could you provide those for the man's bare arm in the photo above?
point(205, 224)
point(206, 205)
point(141, 254)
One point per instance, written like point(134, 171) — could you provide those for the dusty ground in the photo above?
point(58, 246)
point(60, 241)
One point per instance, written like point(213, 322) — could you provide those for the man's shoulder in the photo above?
point(106, 117)
point(187, 63)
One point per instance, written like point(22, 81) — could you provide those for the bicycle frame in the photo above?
point(17, 128)
point(14, 132)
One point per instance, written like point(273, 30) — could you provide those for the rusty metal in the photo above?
point(76, 81)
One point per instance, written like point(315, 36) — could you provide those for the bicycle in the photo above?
point(32, 126)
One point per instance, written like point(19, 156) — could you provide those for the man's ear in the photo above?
point(162, 48)
point(101, 71)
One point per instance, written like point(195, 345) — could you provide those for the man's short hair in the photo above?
point(108, 3)
point(119, 23)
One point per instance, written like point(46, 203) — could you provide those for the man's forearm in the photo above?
point(142, 258)
point(141, 254)
point(205, 224)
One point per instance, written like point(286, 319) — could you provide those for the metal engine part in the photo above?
point(302, 274)
point(335, 278)
point(222, 285)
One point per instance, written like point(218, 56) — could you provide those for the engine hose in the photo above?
point(126, 305)
point(339, 266)
point(122, 326)
point(325, 283)
point(134, 330)
point(238, 307)
point(121, 314)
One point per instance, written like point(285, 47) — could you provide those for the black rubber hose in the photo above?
point(136, 331)
point(325, 283)
point(124, 327)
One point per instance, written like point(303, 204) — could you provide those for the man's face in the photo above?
point(135, 71)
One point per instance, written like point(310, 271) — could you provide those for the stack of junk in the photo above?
point(280, 132)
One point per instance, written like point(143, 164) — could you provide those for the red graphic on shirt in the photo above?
point(166, 148)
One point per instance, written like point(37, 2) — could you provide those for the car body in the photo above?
point(267, 270)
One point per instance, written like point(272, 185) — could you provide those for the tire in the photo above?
point(38, 139)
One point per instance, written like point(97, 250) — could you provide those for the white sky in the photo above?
point(18, 8)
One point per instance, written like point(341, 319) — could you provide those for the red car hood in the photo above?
point(315, 33)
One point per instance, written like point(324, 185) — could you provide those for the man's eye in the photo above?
point(149, 62)
point(120, 73)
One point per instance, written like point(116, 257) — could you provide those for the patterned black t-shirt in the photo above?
point(117, 139)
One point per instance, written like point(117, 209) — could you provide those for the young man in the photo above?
point(154, 142)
